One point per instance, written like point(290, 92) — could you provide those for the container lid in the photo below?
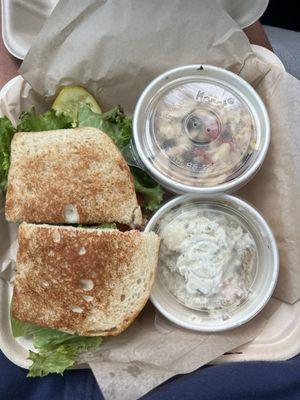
point(200, 127)
point(218, 262)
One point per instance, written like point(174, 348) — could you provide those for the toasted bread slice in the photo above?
point(93, 282)
point(69, 176)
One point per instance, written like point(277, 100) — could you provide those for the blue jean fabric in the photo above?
point(235, 381)
point(286, 45)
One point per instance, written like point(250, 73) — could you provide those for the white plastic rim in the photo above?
point(9, 42)
point(242, 88)
point(165, 302)
point(17, 35)
point(267, 56)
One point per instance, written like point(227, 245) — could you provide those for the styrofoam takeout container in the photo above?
point(266, 262)
point(279, 340)
point(201, 129)
point(22, 20)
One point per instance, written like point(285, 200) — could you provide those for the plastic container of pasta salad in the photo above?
point(201, 129)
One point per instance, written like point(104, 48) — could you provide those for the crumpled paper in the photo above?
point(275, 190)
point(153, 350)
point(114, 48)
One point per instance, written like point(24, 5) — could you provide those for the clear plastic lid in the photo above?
point(218, 262)
point(200, 130)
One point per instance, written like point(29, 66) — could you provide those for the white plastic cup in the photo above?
point(262, 286)
point(218, 94)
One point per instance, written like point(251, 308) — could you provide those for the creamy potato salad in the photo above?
point(207, 260)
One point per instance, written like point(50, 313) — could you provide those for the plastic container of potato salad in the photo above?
point(218, 262)
point(201, 129)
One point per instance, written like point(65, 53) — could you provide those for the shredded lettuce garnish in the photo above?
point(56, 350)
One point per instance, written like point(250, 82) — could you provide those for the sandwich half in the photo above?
point(72, 176)
point(85, 281)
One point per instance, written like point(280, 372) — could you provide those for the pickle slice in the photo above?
point(70, 98)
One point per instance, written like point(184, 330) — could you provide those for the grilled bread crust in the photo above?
point(93, 282)
point(69, 176)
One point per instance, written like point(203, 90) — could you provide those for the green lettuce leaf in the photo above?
point(152, 192)
point(46, 339)
point(114, 123)
point(30, 121)
point(119, 127)
point(108, 225)
point(20, 328)
point(6, 134)
point(50, 362)
point(57, 350)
